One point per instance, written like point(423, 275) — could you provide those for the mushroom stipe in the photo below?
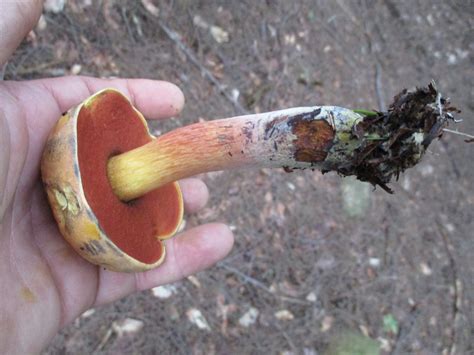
point(113, 189)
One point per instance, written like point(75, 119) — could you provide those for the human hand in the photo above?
point(44, 283)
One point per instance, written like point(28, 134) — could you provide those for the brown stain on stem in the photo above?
point(313, 140)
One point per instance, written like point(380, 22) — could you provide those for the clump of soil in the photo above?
point(393, 141)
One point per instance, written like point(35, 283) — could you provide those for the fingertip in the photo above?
point(157, 99)
point(201, 247)
point(195, 194)
point(192, 251)
point(219, 238)
point(17, 18)
point(179, 98)
point(227, 236)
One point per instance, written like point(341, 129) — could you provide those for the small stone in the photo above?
point(375, 262)
point(76, 69)
point(311, 297)
point(452, 59)
point(219, 35)
point(425, 269)
point(450, 227)
point(196, 317)
point(249, 317)
point(268, 197)
point(327, 323)
point(284, 314)
point(164, 292)
point(235, 94)
point(42, 24)
point(55, 6)
point(289, 39)
point(430, 19)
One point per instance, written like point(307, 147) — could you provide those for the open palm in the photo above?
point(44, 283)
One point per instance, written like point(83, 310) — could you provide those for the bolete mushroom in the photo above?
point(112, 186)
point(121, 236)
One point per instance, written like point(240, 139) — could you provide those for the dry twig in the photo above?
point(175, 37)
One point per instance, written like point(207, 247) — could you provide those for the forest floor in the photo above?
point(320, 263)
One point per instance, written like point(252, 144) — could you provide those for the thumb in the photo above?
point(17, 18)
point(4, 162)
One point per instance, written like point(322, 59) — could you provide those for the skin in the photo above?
point(44, 284)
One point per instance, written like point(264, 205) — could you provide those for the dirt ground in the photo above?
point(321, 264)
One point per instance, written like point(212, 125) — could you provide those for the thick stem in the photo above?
point(292, 138)
point(373, 146)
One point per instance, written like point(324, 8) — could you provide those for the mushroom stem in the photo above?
point(374, 146)
point(258, 140)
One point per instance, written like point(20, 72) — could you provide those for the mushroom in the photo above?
point(121, 236)
point(112, 186)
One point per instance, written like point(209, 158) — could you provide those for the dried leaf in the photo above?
point(127, 326)
point(219, 35)
point(364, 330)
point(194, 280)
point(88, 313)
point(55, 6)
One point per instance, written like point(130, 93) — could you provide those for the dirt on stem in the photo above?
point(393, 141)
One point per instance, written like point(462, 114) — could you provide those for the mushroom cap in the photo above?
point(120, 236)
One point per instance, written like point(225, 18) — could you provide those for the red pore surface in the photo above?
point(108, 125)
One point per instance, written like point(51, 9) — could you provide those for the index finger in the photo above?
point(155, 99)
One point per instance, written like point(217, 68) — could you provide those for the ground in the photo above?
point(320, 263)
